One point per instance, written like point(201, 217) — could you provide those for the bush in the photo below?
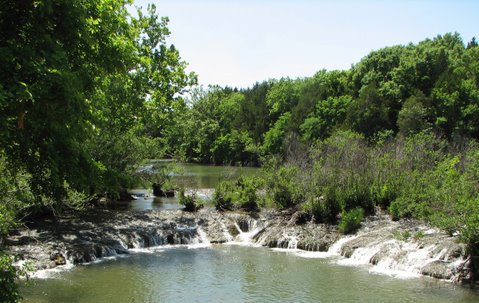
point(284, 188)
point(9, 274)
point(325, 210)
point(248, 198)
point(239, 194)
point(223, 196)
point(191, 202)
point(351, 220)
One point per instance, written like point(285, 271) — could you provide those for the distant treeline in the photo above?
point(399, 90)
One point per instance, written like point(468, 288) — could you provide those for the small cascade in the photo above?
point(226, 233)
point(408, 259)
point(247, 225)
point(293, 243)
point(262, 239)
point(201, 240)
point(361, 255)
point(246, 230)
point(203, 237)
point(403, 259)
point(335, 249)
point(48, 273)
point(182, 235)
point(287, 242)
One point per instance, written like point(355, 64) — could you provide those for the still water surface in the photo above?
point(227, 273)
point(195, 177)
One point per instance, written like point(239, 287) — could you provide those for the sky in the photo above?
point(237, 43)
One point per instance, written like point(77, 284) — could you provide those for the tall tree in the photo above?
point(71, 71)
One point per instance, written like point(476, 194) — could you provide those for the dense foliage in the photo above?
point(397, 131)
point(80, 81)
point(431, 86)
point(190, 201)
point(239, 194)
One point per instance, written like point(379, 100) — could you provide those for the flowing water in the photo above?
point(232, 273)
point(237, 272)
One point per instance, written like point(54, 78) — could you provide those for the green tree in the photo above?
point(327, 115)
point(275, 136)
point(282, 97)
point(76, 72)
point(413, 116)
point(368, 114)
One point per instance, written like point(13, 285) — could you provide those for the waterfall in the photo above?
point(402, 259)
point(226, 234)
point(400, 249)
point(406, 259)
point(246, 229)
point(333, 251)
point(293, 243)
point(48, 272)
point(201, 240)
point(287, 242)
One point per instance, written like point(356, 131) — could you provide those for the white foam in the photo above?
point(203, 239)
point(315, 254)
point(399, 274)
point(287, 250)
point(335, 249)
point(243, 243)
point(199, 245)
point(51, 272)
point(148, 250)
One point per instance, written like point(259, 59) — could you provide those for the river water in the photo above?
point(201, 179)
point(230, 273)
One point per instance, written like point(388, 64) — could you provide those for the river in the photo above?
point(201, 179)
point(230, 273)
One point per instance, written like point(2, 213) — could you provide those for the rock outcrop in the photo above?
point(404, 246)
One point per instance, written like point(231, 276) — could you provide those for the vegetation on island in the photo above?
point(88, 92)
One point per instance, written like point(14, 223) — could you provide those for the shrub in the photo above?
point(223, 196)
point(239, 194)
point(351, 220)
point(283, 187)
point(191, 202)
point(247, 196)
point(9, 274)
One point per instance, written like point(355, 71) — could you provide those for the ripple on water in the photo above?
point(232, 274)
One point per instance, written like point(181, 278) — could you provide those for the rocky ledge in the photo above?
point(405, 246)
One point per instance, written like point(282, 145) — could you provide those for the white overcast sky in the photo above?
point(237, 43)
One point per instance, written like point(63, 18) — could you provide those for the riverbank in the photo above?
point(390, 247)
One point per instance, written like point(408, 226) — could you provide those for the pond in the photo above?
point(230, 273)
point(201, 179)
